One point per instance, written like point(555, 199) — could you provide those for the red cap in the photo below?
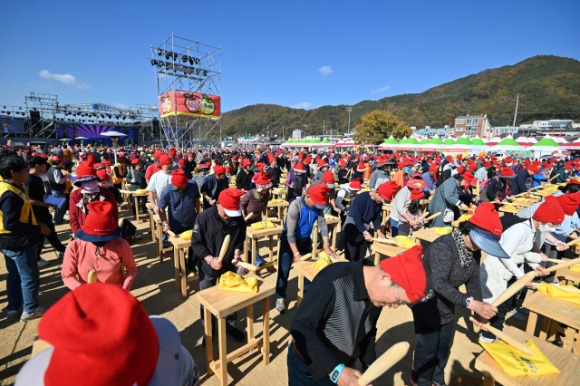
point(387, 190)
point(299, 167)
point(408, 272)
point(165, 160)
point(549, 211)
point(534, 169)
point(355, 184)
point(433, 168)
point(245, 162)
point(342, 163)
point(507, 172)
point(569, 202)
point(219, 169)
point(328, 177)
point(574, 181)
point(181, 161)
point(417, 194)
point(319, 194)
point(229, 199)
point(85, 172)
point(100, 224)
point(361, 167)
point(487, 218)
point(178, 178)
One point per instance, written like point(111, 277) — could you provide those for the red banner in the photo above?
point(187, 103)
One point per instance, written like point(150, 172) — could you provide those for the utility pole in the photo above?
point(349, 110)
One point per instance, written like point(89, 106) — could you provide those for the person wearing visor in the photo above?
point(450, 262)
point(365, 211)
point(295, 240)
point(517, 241)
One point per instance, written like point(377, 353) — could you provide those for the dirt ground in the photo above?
point(155, 288)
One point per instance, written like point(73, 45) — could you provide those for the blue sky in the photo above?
point(303, 54)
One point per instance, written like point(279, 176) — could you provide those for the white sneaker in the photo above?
point(37, 313)
point(280, 306)
point(42, 263)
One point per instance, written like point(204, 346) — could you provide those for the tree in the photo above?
point(378, 125)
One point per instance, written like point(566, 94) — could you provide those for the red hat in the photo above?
point(534, 169)
point(387, 190)
point(245, 162)
point(135, 160)
point(85, 172)
point(124, 349)
point(307, 160)
point(219, 169)
point(172, 152)
point(342, 163)
point(486, 164)
point(56, 158)
point(507, 172)
point(203, 166)
point(165, 160)
point(229, 199)
point(507, 160)
point(472, 166)
point(361, 167)
point(433, 168)
point(322, 163)
point(299, 167)
point(469, 178)
point(181, 161)
point(260, 166)
point(417, 194)
point(328, 177)
point(355, 184)
point(487, 218)
point(449, 159)
point(460, 170)
point(569, 202)
point(301, 155)
point(262, 182)
point(121, 154)
point(416, 182)
point(319, 194)
point(408, 272)
point(102, 174)
point(573, 181)
point(178, 178)
point(100, 224)
point(549, 211)
point(157, 154)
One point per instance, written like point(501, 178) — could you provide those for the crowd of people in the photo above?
point(216, 194)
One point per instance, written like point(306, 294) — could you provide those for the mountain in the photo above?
point(549, 88)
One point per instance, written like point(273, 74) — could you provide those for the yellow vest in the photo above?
point(26, 213)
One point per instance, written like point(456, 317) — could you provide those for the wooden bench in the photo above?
point(180, 251)
point(386, 250)
point(252, 238)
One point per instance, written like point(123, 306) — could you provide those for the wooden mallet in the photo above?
point(384, 362)
point(506, 338)
point(248, 216)
point(248, 266)
point(422, 216)
point(306, 256)
point(92, 278)
point(385, 241)
point(224, 249)
point(434, 215)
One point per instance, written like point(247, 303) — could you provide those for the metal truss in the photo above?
point(183, 64)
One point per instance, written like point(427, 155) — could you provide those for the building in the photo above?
point(472, 125)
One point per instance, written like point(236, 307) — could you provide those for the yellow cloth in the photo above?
point(575, 268)
point(405, 242)
point(509, 207)
point(441, 231)
point(229, 281)
point(515, 363)
point(567, 293)
point(323, 261)
point(464, 217)
point(275, 201)
point(186, 235)
point(141, 191)
point(263, 225)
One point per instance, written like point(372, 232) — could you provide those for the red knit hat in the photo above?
point(433, 168)
point(507, 172)
point(178, 178)
point(85, 172)
point(355, 184)
point(102, 174)
point(569, 202)
point(408, 272)
point(245, 162)
point(573, 181)
point(262, 182)
point(100, 224)
point(322, 163)
point(299, 167)
point(172, 152)
point(124, 346)
point(534, 169)
point(387, 190)
point(487, 218)
point(417, 194)
point(361, 167)
point(550, 211)
point(416, 182)
point(328, 177)
point(219, 169)
point(229, 199)
point(165, 160)
point(319, 194)
point(342, 163)
point(157, 154)
point(181, 161)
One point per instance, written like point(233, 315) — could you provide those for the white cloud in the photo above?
point(325, 70)
point(380, 90)
point(303, 105)
point(67, 79)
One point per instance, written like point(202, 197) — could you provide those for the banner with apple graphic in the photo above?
point(188, 103)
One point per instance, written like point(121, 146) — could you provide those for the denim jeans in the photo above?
point(394, 227)
point(286, 259)
point(431, 353)
point(23, 279)
point(59, 212)
point(299, 374)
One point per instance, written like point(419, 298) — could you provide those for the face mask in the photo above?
point(546, 228)
point(90, 186)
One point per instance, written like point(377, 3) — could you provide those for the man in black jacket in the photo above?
point(521, 183)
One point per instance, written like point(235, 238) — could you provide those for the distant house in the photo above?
point(472, 125)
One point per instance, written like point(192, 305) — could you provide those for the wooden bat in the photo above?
point(248, 266)
point(422, 216)
point(434, 215)
point(556, 261)
point(92, 278)
point(514, 288)
point(384, 241)
point(506, 338)
point(306, 256)
point(248, 216)
point(564, 264)
point(553, 178)
point(384, 362)
point(225, 246)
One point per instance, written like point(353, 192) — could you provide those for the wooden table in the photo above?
point(180, 250)
point(426, 234)
point(386, 250)
point(221, 303)
point(280, 193)
point(333, 222)
point(136, 198)
point(565, 361)
point(159, 237)
point(567, 276)
point(280, 208)
point(554, 311)
point(306, 269)
point(252, 238)
point(506, 210)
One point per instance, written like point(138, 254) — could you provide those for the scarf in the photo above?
point(465, 255)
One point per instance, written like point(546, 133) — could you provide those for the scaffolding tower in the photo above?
point(186, 66)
